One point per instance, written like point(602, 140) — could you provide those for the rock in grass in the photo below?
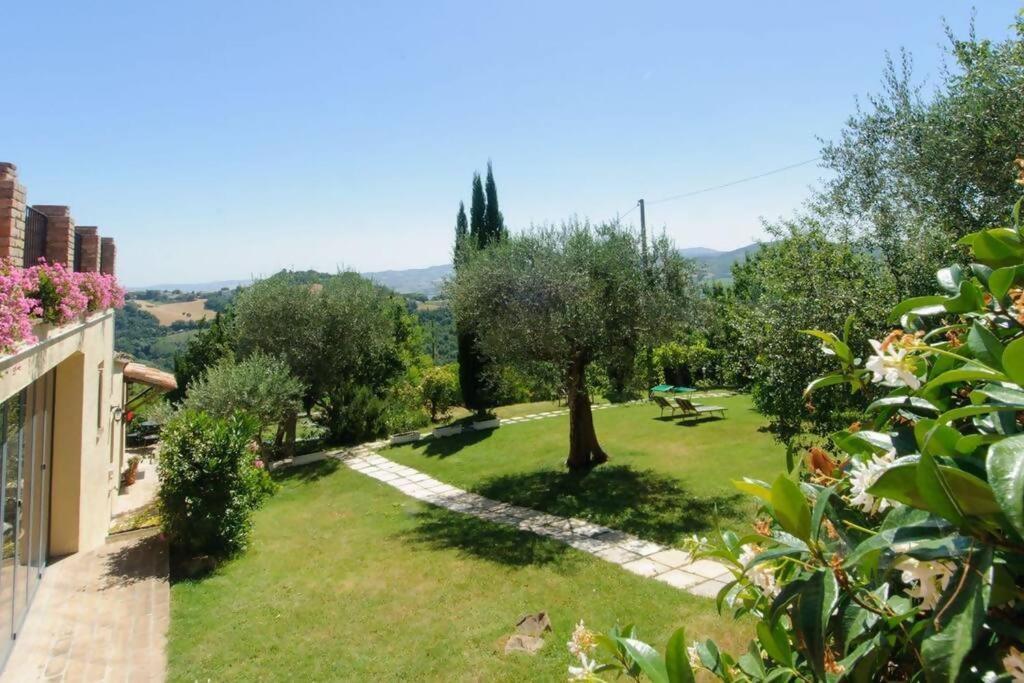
point(534, 625)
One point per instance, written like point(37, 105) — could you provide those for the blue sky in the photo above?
point(219, 140)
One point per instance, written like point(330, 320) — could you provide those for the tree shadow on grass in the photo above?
point(450, 445)
point(438, 528)
point(304, 474)
point(653, 506)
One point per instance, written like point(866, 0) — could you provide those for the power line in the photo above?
point(731, 183)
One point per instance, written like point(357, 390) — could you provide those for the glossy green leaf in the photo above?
point(914, 404)
point(996, 248)
point(677, 661)
point(790, 507)
point(863, 441)
point(968, 372)
point(1013, 361)
point(1005, 465)
point(915, 303)
point(833, 342)
point(826, 381)
point(985, 346)
point(934, 488)
point(970, 299)
point(755, 488)
point(935, 438)
point(1002, 279)
point(647, 658)
point(813, 608)
point(775, 641)
point(960, 616)
point(949, 278)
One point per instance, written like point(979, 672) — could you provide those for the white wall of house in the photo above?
point(87, 434)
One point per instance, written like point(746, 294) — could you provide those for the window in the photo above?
point(99, 400)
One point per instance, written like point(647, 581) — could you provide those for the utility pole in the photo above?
point(643, 232)
point(648, 351)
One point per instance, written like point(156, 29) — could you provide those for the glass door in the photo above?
point(27, 432)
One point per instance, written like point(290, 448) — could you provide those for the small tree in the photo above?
point(261, 386)
point(568, 296)
point(440, 388)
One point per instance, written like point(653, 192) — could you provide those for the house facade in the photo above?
point(61, 404)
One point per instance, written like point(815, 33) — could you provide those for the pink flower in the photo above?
point(48, 293)
point(258, 464)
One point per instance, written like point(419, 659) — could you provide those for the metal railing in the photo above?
point(35, 236)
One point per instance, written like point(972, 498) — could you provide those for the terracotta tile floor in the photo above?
point(98, 616)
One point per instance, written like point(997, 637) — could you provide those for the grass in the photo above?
point(168, 312)
point(666, 479)
point(515, 410)
point(172, 343)
point(348, 579)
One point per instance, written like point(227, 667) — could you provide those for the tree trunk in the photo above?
point(584, 450)
point(291, 422)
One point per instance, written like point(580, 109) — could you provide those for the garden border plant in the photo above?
point(897, 552)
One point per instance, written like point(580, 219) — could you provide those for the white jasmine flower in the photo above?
point(891, 365)
point(927, 580)
point(691, 652)
point(583, 672)
point(1014, 664)
point(763, 575)
point(863, 475)
point(582, 641)
point(989, 677)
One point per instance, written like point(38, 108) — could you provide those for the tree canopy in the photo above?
point(569, 296)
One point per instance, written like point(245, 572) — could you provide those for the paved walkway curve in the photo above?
point(662, 563)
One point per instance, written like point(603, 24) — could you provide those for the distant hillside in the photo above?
point(428, 280)
point(194, 286)
point(423, 280)
point(719, 263)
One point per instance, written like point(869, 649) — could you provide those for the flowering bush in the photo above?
point(16, 307)
point(211, 479)
point(49, 293)
point(897, 552)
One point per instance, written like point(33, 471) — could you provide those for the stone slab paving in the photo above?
point(661, 563)
point(98, 616)
point(600, 406)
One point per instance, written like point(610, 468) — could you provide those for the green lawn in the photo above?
point(348, 579)
point(666, 479)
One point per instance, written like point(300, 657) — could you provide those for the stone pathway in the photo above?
point(98, 616)
point(662, 563)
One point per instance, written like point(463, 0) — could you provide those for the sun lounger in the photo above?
point(664, 403)
point(688, 409)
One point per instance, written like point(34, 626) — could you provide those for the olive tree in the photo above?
point(347, 339)
point(261, 386)
point(571, 296)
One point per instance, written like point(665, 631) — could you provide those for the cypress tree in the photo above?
point(494, 222)
point(461, 233)
point(477, 214)
point(474, 367)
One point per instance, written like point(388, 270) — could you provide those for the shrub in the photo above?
point(440, 388)
point(210, 482)
point(261, 386)
point(896, 552)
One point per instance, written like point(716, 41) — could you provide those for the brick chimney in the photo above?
point(60, 234)
point(12, 214)
point(89, 243)
point(108, 252)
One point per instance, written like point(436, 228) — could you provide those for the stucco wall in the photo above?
point(86, 448)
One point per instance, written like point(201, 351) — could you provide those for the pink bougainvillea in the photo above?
point(102, 291)
point(16, 307)
point(49, 293)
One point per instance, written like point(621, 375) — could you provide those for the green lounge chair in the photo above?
point(688, 409)
point(664, 403)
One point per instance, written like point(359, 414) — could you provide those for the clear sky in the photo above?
point(217, 140)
